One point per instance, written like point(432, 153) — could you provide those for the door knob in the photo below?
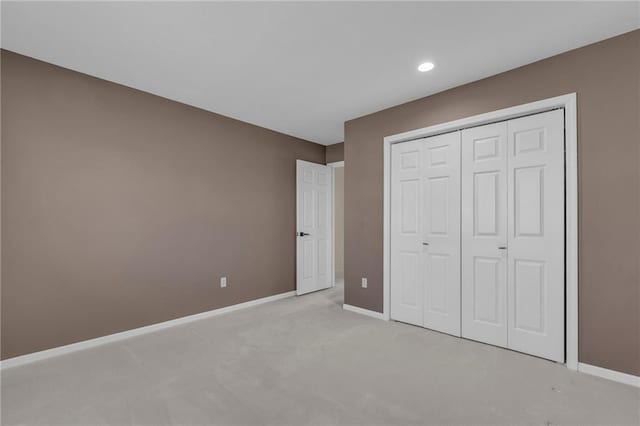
point(303, 234)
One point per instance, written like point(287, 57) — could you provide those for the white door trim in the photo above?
point(569, 103)
point(334, 166)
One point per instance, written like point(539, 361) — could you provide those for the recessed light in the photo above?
point(425, 66)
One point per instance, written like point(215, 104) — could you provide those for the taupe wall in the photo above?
point(606, 78)
point(335, 153)
point(338, 225)
point(122, 209)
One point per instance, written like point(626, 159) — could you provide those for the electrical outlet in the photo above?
point(223, 282)
point(364, 283)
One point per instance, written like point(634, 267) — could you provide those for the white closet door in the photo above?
point(536, 235)
point(406, 233)
point(440, 256)
point(484, 233)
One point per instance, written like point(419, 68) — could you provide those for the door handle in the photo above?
point(502, 248)
point(425, 244)
point(302, 234)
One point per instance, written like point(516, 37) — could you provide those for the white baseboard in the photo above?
point(616, 376)
point(98, 341)
point(362, 311)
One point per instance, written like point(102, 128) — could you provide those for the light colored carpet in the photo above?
point(305, 361)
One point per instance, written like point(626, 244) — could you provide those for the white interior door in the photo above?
point(406, 233)
point(484, 233)
point(536, 235)
point(440, 256)
point(314, 235)
point(425, 232)
point(477, 234)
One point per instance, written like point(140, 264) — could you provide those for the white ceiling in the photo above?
point(302, 68)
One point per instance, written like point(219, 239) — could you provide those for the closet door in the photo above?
point(440, 257)
point(536, 235)
point(406, 233)
point(484, 233)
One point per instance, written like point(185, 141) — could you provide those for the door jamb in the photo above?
point(569, 103)
point(334, 166)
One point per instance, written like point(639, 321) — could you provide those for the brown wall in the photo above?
point(122, 209)
point(338, 221)
point(334, 153)
point(606, 78)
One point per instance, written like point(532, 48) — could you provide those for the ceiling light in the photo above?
point(425, 66)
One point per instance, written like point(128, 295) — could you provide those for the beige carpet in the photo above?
point(305, 361)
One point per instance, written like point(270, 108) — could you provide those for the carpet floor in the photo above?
point(306, 361)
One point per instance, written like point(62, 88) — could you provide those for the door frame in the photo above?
point(334, 166)
point(569, 103)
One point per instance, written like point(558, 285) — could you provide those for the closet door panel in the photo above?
point(536, 235)
point(441, 232)
point(484, 233)
point(406, 233)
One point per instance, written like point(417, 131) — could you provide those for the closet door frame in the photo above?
point(569, 103)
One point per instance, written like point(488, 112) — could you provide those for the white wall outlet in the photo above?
point(364, 283)
point(223, 282)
